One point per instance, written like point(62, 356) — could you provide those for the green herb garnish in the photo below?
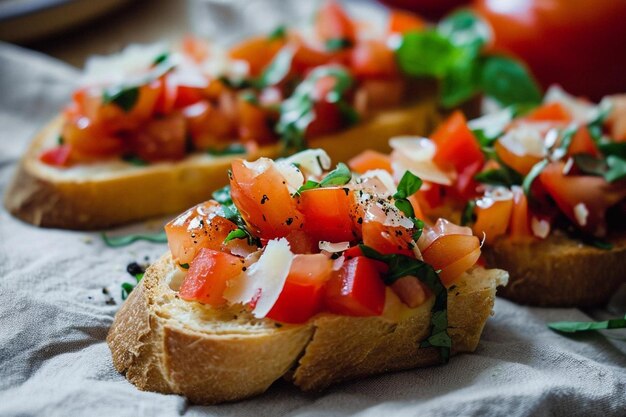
point(338, 176)
point(119, 241)
point(500, 176)
point(60, 140)
point(161, 58)
point(468, 216)
point(134, 160)
point(585, 326)
point(409, 184)
point(233, 149)
point(337, 44)
point(184, 266)
point(532, 176)
point(279, 33)
point(231, 213)
point(278, 69)
point(123, 97)
point(401, 266)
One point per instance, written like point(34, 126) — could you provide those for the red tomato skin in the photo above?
point(356, 289)
point(368, 160)
point(258, 52)
point(554, 36)
point(333, 23)
point(58, 156)
point(255, 123)
point(373, 59)
point(327, 119)
point(264, 201)
point(402, 22)
point(550, 112)
point(161, 139)
point(302, 295)
point(387, 239)
point(456, 145)
point(208, 276)
point(328, 214)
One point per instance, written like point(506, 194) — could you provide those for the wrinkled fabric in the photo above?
point(55, 313)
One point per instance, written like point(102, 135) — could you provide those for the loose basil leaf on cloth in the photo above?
point(296, 113)
point(401, 266)
point(125, 240)
point(585, 326)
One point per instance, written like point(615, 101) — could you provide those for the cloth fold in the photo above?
point(56, 306)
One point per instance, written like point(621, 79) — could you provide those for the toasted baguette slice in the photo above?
point(165, 344)
point(100, 195)
point(559, 271)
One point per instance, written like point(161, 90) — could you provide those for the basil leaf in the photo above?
point(508, 82)
point(405, 207)
point(279, 33)
point(337, 44)
point(585, 326)
point(464, 28)
point(184, 266)
point(339, 176)
point(309, 185)
point(591, 165)
point(134, 160)
point(233, 149)
point(613, 148)
point(400, 266)
point(427, 54)
point(532, 175)
point(278, 69)
point(409, 184)
point(125, 98)
point(461, 83)
point(127, 288)
point(617, 169)
point(119, 241)
point(501, 176)
point(236, 234)
point(222, 195)
point(60, 140)
point(161, 58)
point(468, 216)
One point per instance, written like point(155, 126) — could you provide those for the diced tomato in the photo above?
point(554, 112)
point(583, 199)
point(332, 23)
point(583, 143)
point(90, 141)
point(456, 145)
point(520, 163)
point(327, 119)
point(355, 251)
point(186, 96)
point(411, 291)
point(306, 57)
point(430, 196)
point(453, 255)
point(144, 107)
point(208, 125)
point(328, 213)
point(356, 289)
point(259, 192)
point(368, 160)
point(199, 227)
point(301, 242)
point(302, 295)
point(258, 52)
point(167, 96)
point(388, 239)
point(161, 139)
point(195, 48)
point(492, 218)
point(375, 94)
point(401, 22)
point(465, 185)
point(255, 123)
point(519, 226)
point(57, 156)
point(373, 58)
point(208, 276)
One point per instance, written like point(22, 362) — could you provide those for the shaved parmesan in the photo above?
point(581, 110)
point(581, 213)
point(492, 195)
point(540, 227)
point(313, 162)
point(262, 283)
point(292, 175)
point(416, 148)
point(333, 247)
point(426, 170)
point(524, 139)
point(378, 181)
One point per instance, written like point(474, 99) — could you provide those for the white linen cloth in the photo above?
point(54, 318)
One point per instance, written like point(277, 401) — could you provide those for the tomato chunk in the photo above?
point(258, 190)
point(373, 58)
point(258, 52)
point(333, 23)
point(554, 112)
point(58, 156)
point(208, 276)
point(302, 295)
point(519, 227)
point(197, 228)
point(368, 160)
point(453, 255)
point(387, 239)
point(456, 145)
point(356, 289)
point(492, 218)
point(328, 213)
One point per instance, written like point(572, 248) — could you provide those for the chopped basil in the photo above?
point(249, 96)
point(585, 326)
point(508, 81)
point(125, 97)
point(60, 140)
point(309, 185)
point(127, 288)
point(231, 213)
point(500, 176)
point(409, 184)
point(617, 169)
point(400, 266)
point(235, 84)
point(338, 176)
point(337, 44)
point(278, 69)
point(427, 54)
point(236, 234)
point(532, 176)
point(468, 216)
point(296, 113)
point(222, 195)
point(279, 33)
point(119, 241)
point(161, 58)
point(233, 149)
point(184, 266)
point(613, 148)
point(465, 29)
point(134, 160)
point(595, 127)
point(567, 138)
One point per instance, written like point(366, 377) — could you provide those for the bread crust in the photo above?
point(168, 345)
point(138, 193)
point(559, 271)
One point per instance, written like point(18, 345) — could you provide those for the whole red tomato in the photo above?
point(579, 44)
point(432, 9)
